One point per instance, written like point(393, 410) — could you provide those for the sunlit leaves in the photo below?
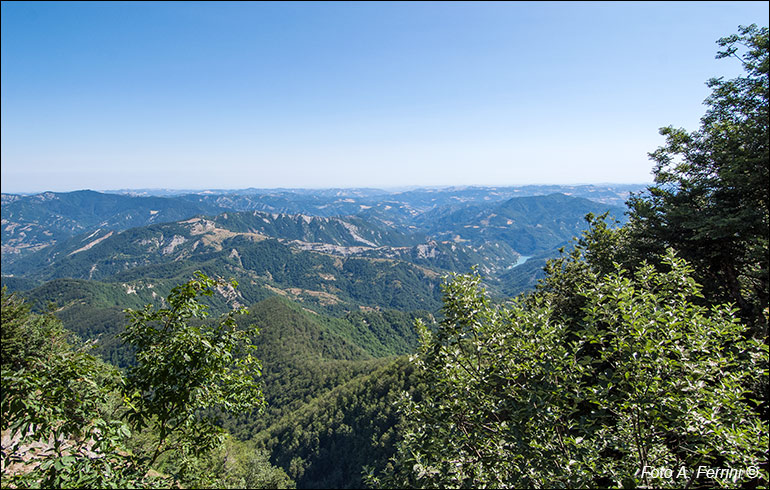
point(524, 395)
point(186, 366)
point(78, 408)
point(710, 200)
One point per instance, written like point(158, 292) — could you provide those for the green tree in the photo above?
point(25, 337)
point(710, 200)
point(58, 403)
point(75, 408)
point(519, 395)
point(187, 368)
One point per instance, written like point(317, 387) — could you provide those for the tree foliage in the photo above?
point(58, 403)
point(327, 442)
point(97, 428)
point(710, 201)
point(183, 368)
point(520, 396)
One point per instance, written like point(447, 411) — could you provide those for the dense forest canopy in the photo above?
point(639, 360)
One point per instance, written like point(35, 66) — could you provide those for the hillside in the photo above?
point(327, 442)
point(335, 297)
point(33, 222)
point(529, 225)
point(446, 235)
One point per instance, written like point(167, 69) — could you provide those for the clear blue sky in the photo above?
point(234, 95)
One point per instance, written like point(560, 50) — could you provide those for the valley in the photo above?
point(334, 281)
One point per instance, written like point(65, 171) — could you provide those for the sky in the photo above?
point(177, 95)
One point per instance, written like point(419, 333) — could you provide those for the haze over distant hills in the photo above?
point(334, 278)
point(99, 236)
point(320, 246)
point(31, 222)
point(93, 235)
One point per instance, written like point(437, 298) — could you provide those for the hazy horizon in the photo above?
point(318, 95)
point(388, 189)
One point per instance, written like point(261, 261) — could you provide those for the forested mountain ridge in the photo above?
point(530, 225)
point(32, 222)
point(176, 241)
point(465, 238)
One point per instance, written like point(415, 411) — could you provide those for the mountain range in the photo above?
point(333, 279)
